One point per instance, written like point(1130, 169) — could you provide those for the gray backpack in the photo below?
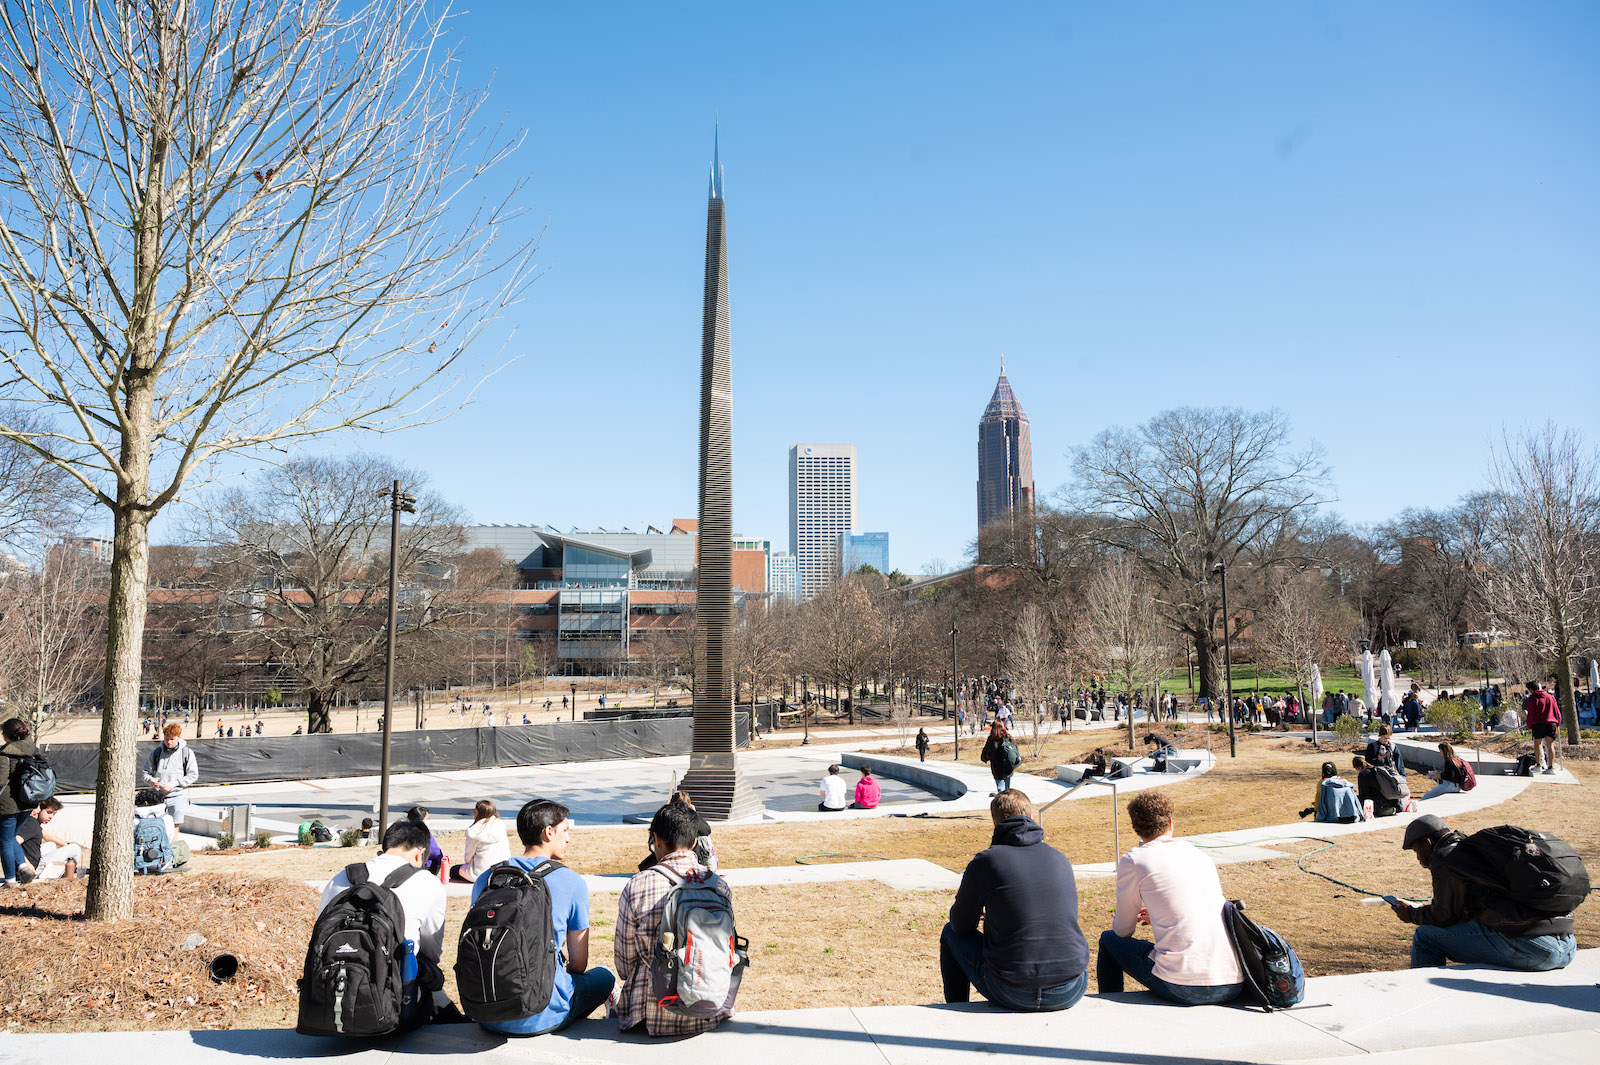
point(1392, 783)
point(699, 957)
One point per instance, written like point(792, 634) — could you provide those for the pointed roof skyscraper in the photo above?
point(1005, 456)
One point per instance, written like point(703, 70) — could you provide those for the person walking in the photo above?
point(922, 745)
point(171, 769)
point(1000, 751)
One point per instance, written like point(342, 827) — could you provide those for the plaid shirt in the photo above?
point(638, 919)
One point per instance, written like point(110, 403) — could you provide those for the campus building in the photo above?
point(822, 506)
point(601, 597)
point(1005, 456)
point(863, 549)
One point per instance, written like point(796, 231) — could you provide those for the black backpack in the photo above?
point(506, 957)
point(354, 981)
point(36, 781)
point(1526, 763)
point(1534, 871)
point(1273, 978)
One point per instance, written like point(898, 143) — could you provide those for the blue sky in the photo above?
point(1381, 218)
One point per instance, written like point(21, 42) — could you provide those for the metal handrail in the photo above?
point(1116, 836)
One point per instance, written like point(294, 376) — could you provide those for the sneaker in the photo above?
point(1549, 771)
point(26, 873)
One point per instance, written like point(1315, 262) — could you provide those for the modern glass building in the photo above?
point(783, 577)
point(864, 549)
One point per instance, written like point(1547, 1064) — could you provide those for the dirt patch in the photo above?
point(59, 972)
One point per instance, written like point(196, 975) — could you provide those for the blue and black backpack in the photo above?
point(1273, 978)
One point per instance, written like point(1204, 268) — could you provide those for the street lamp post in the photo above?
point(805, 709)
point(398, 502)
point(1227, 658)
point(955, 719)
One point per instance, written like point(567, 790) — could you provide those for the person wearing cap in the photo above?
point(1336, 799)
point(1465, 924)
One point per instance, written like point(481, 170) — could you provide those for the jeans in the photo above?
point(1002, 783)
point(962, 968)
point(1471, 943)
point(1444, 787)
point(589, 991)
point(1124, 954)
point(10, 850)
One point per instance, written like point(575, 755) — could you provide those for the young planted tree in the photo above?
point(51, 633)
point(1125, 634)
point(227, 226)
point(1300, 627)
point(1032, 665)
point(1540, 581)
point(840, 634)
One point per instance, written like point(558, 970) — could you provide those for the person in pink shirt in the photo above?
point(867, 791)
point(1170, 885)
point(1544, 720)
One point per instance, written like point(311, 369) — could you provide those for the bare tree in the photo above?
point(839, 635)
point(1196, 486)
point(1125, 633)
point(310, 548)
point(227, 226)
point(1541, 577)
point(1032, 664)
point(51, 633)
point(1298, 629)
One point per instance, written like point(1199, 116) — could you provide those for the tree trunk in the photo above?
point(110, 893)
point(1565, 696)
point(1208, 664)
point(318, 718)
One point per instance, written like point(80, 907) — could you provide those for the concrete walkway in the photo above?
point(1456, 1015)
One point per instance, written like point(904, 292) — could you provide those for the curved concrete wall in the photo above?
point(925, 775)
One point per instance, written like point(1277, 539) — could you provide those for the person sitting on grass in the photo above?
point(435, 859)
point(545, 829)
point(867, 791)
point(52, 856)
point(486, 844)
point(1170, 885)
point(1466, 924)
point(1336, 799)
point(1030, 954)
point(1382, 751)
point(1368, 789)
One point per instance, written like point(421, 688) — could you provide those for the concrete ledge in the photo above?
point(1071, 774)
point(929, 776)
point(1425, 1015)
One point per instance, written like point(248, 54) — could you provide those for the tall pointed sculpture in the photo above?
point(720, 793)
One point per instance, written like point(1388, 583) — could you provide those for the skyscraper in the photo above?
point(863, 549)
point(719, 791)
point(1005, 456)
point(822, 505)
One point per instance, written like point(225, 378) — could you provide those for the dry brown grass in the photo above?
point(848, 943)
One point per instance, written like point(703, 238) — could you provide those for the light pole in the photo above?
point(805, 709)
point(398, 502)
point(574, 700)
point(1227, 657)
point(955, 719)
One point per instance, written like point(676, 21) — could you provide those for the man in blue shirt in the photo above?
point(545, 828)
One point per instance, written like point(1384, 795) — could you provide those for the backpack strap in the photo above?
point(673, 877)
point(398, 877)
point(356, 874)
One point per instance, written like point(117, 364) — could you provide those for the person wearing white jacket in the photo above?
point(486, 843)
point(171, 769)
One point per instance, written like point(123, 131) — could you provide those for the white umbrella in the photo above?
point(1390, 699)
point(1316, 685)
point(1369, 686)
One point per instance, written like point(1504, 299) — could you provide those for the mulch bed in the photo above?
point(60, 972)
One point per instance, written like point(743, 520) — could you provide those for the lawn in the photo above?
point(852, 943)
point(1247, 679)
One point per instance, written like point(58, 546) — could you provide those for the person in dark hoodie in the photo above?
point(1463, 923)
point(1030, 954)
point(19, 744)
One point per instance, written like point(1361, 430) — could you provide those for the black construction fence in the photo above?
point(313, 757)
